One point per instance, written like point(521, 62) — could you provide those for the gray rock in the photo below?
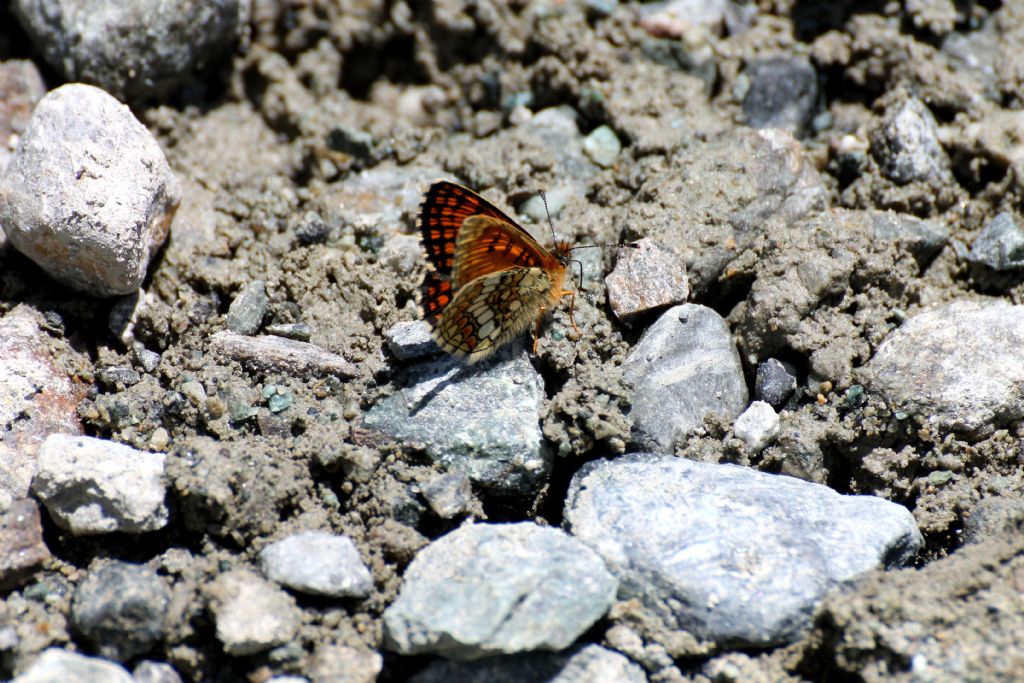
point(684, 367)
point(246, 312)
point(957, 367)
point(21, 86)
point(730, 554)
point(757, 426)
point(992, 517)
point(590, 664)
point(341, 664)
point(481, 420)
point(120, 609)
point(110, 194)
point(276, 354)
point(60, 666)
point(148, 671)
point(118, 378)
point(22, 549)
point(137, 49)
point(1000, 245)
point(774, 383)
point(298, 331)
point(36, 399)
point(410, 340)
point(251, 614)
point(93, 486)
point(906, 144)
point(319, 563)
point(449, 494)
point(782, 93)
point(602, 146)
point(464, 599)
point(921, 238)
point(646, 277)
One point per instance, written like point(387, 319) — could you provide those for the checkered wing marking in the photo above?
point(445, 208)
point(491, 310)
point(486, 245)
point(435, 295)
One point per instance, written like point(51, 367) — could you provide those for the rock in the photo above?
point(994, 516)
point(757, 426)
point(684, 368)
point(782, 93)
point(341, 664)
point(464, 599)
point(155, 672)
point(729, 554)
point(411, 340)
point(298, 331)
point(22, 549)
point(245, 314)
point(921, 238)
point(60, 666)
point(1000, 246)
point(957, 367)
point(677, 18)
point(92, 486)
point(774, 383)
point(589, 664)
point(537, 208)
point(36, 399)
point(118, 378)
point(21, 86)
point(481, 420)
point(906, 144)
point(134, 50)
point(646, 277)
point(449, 494)
point(318, 563)
point(277, 354)
point(251, 614)
point(602, 146)
point(110, 194)
point(120, 609)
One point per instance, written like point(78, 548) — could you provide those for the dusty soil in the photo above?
point(303, 159)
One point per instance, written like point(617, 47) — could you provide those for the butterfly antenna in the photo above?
point(551, 223)
point(629, 245)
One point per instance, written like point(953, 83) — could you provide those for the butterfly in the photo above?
point(489, 278)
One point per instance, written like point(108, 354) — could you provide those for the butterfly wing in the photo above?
point(487, 244)
point(442, 214)
point(492, 309)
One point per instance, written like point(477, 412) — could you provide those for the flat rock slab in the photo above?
point(94, 486)
point(88, 194)
point(684, 368)
point(732, 555)
point(958, 367)
point(646, 276)
point(490, 589)
point(482, 420)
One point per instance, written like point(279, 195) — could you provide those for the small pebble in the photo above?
point(148, 671)
point(120, 609)
point(22, 548)
point(907, 147)
point(449, 494)
point(410, 340)
point(774, 383)
point(646, 276)
point(298, 331)
point(602, 146)
point(757, 426)
point(342, 664)
point(60, 666)
point(318, 563)
point(251, 614)
point(783, 93)
point(93, 486)
point(245, 315)
point(1000, 245)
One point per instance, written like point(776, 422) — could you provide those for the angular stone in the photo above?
point(277, 354)
point(774, 384)
point(732, 555)
point(410, 340)
point(60, 666)
point(251, 614)
point(783, 93)
point(464, 599)
point(589, 664)
point(22, 549)
point(684, 367)
point(957, 367)
point(757, 426)
point(481, 420)
point(449, 494)
point(319, 563)
point(906, 144)
point(246, 312)
point(341, 664)
point(110, 194)
point(646, 277)
point(93, 486)
point(1000, 245)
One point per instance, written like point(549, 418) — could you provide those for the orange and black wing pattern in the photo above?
point(436, 294)
point(445, 208)
point(488, 245)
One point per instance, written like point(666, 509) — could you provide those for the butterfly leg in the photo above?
point(536, 328)
point(572, 307)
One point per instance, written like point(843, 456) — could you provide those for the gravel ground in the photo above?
point(787, 444)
